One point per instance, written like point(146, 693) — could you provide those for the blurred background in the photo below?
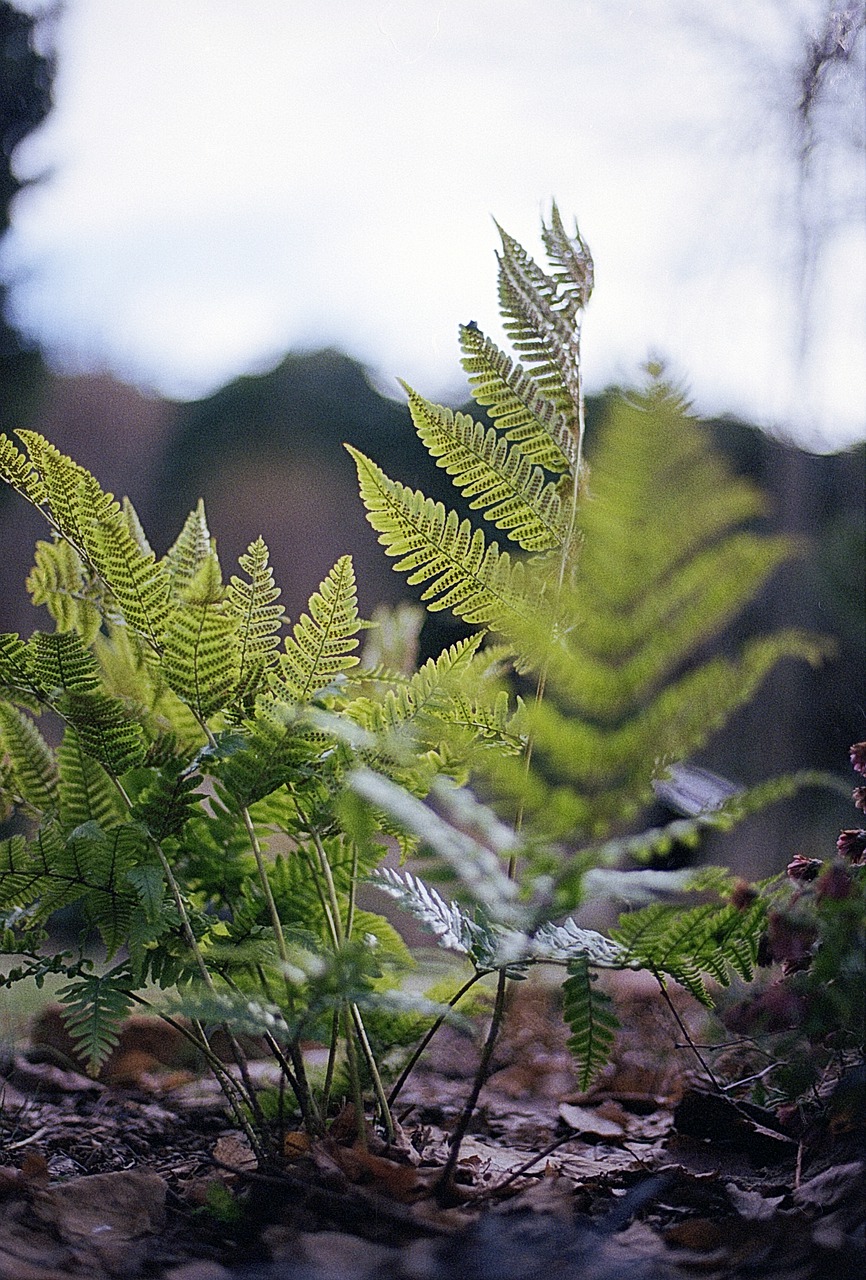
point(228, 226)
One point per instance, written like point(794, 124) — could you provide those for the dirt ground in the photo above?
point(654, 1173)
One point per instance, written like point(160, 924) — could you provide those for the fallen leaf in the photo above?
point(584, 1120)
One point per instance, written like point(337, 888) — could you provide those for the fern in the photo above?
point(589, 1015)
point(321, 645)
point(189, 551)
point(200, 643)
point(33, 767)
point(19, 472)
point(261, 620)
point(501, 481)
point(60, 580)
point(95, 1008)
point(512, 399)
point(470, 576)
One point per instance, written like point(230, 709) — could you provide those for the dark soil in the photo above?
point(653, 1174)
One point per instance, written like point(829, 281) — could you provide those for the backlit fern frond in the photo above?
point(189, 551)
point(542, 322)
point(62, 479)
point(138, 582)
point(589, 1015)
point(513, 400)
point(500, 481)
point(321, 645)
point(19, 472)
point(200, 645)
point(17, 676)
point(276, 748)
point(470, 577)
point(86, 793)
point(261, 619)
point(95, 1007)
point(34, 770)
point(67, 587)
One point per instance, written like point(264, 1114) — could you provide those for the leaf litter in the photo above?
point(650, 1175)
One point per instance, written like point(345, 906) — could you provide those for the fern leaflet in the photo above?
point(320, 646)
point(589, 1015)
point(95, 1008)
point(513, 494)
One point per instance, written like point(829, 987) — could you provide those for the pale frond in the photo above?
point(19, 472)
point(189, 551)
point(261, 619)
point(67, 587)
point(200, 643)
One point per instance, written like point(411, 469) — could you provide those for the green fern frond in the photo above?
point(86, 792)
point(542, 326)
point(513, 494)
point(589, 1014)
point(105, 729)
point(276, 748)
point(512, 398)
point(189, 551)
point(94, 871)
point(95, 1007)
point(200, 645)
point(261, 619)
point(62, 582)
point(321, 644)
point(61, 663)
point(166, 804)
point(32, 760)
point(472, 578)
point(62, 479)
point(17, 676)
point(20, 876)
point(19, 472)
point(136, 528)
point(710, 939)
point(138, 582)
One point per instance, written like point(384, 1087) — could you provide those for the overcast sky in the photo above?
point(226, 180)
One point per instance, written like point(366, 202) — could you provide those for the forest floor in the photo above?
point(653, 1174)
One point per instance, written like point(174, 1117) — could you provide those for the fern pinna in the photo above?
point(187, 730)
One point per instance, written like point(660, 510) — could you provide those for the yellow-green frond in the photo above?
point(570, 255)
point(62, 479)
point(261, 617)
point(190, 549)
point(67, 587)
point(470, 577)
point(85, 792)
point(322, 642)
point(512, 398)
point(499, 479)
point(200, 644)
point(19, 472)
point(34, 769)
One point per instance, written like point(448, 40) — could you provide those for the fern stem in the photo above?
point(445, 1182)
point(428, 1036)
point(378, 1087)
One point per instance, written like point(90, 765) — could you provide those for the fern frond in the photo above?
point(93, 870)
point(86, 793)
point(570, 254)
point(62, 480)
point(589, 1014)
point(19, 473)
point(189, 551)
point(136, 528)
point(62, 582)
point(512, 398)
point(261, 619)
point(200, 645)
point(542, 325)
point(95, 1007)
point(34, 768)
point(567, 942)
point(105, 729)
point(138, 583)
point(61, 663)
point(513, 494)
point(276, 748)
point(166, 804)
point(452, 927)
point(472, 578)
point(321, 644)
point(17, 676)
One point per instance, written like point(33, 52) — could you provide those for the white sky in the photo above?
point(231, 179)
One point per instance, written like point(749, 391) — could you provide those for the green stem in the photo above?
point(427, 1037)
